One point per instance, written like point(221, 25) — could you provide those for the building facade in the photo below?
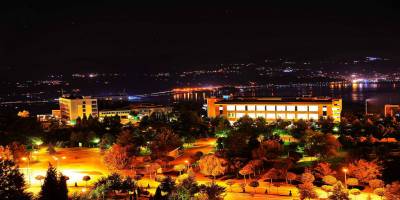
point(275, 108)
point(124, 115)
point(73, 107)
point(391, 110)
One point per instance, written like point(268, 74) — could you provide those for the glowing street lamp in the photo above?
point(28, 168)
point(187, 163)
point(58, 160)
point(345, 170)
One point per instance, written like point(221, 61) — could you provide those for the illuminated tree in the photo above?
point(365, 171)
point(307, 177)
point(5, 153)
point(307, 191)
point(323, 169)
point(380, 192)
point(330, 180)
point(291, 176)
point(12, 184)
point(376, 183)
point(23, 114)
point(254, 184)
point(211, 165)
point(339, 192)
point(355, 192)
point(352, 182)
point(179, 168)
point(86, 179)
point(117, 157)
point(392, 191)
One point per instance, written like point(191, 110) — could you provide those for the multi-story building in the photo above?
point(124, 115)
point(392, 110)
point(275, 108)
point(73, 107)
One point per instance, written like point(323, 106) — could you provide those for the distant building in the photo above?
point(73, 107)
point(124, 115)
point(147, 109)
point(307, 108)
point(391, 110)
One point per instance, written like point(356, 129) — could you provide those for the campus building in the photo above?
point(73, 107)
point(124, 115)
point(307, 108)
point(392, 110)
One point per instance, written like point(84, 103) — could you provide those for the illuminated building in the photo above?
point(275, 108)
point(147, 109)
point(392, 110)
point(73, 107)
point(124, 115)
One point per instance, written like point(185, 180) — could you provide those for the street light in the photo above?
point(345, 170)
point(27, 169)
point(58, 160)
point(187, 163)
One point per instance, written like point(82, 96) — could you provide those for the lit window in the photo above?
point(252, 115)
point(302, 116)
point(241, 107)
point(230, 107)
point(270, 115)
point(251, 107)
point(260, 108)
point(290, 108)
point(290, 116)
point(270, 108)
point(302, 108)
point(313, 116)
point(261, 115)
point(280, 108)
point(324, 108)
point(231, 115)
point(221, 108)
point(239, 115)
point(313, 108)
point(281, 115)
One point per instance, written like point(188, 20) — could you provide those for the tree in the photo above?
point(330, 180)
point(54, 187)
point(254, 184)
point(352, 182)
point(339, 192)
point(392, 191)
point(12, 184)
point(246, 170)
point(376, 183)
point(380, 192)
point(117, 157)
point(307, 177)
point(211, 165)
point(40, 178)
point(166, 140)
point(230, 182)
point(327, 188)
point(317, 143)
point(355, 192)
point(86, 179)
point(291, 176)
point(271, 174)
point(179, 168)
point(213, 191)
point(365, 171)
point(307, 191)
point(323, 169)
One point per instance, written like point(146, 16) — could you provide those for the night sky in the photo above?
point(110, 36)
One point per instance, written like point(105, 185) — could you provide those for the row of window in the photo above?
point(300, 108)
point(114, 112)
point(275, 115)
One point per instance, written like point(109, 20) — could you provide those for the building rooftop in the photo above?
point(275, 100)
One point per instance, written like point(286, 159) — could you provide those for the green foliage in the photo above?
point(213, 191)
point(54, 186)
point(12, 184)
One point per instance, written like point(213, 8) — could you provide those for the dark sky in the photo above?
point(68, 37)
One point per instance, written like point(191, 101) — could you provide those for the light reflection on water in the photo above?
point(353, 95)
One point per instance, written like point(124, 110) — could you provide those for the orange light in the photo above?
point(64, 157)
point(186, 161)
point(24, 158)
point(345, 170)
